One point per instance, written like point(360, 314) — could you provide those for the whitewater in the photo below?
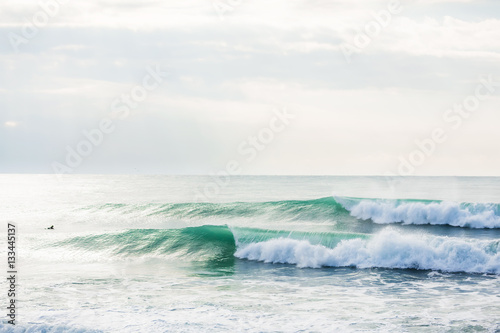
point(267, 254)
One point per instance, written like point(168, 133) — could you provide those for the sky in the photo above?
point(297, 87)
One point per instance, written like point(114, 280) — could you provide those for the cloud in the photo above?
point(226, 76)
point(446, 37)
point(11, 124)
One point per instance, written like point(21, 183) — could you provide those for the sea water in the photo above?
point(253, 254)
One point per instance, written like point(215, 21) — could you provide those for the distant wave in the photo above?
point(383, 211)
point(221, 244)
point(324, 208)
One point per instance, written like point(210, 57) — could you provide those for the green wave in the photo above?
point(324, 208)
point(203, 243)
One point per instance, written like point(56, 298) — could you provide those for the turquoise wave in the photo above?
point(324, 208)
point(219, 247)
point(198, 243)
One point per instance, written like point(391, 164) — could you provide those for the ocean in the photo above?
point(136, 253)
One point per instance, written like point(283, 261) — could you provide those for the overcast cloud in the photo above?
point(359, 112)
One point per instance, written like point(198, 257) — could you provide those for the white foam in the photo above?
point(435, 213)
point(388, 249)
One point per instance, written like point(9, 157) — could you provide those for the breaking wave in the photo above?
point(388, 249)
point(212, 244)
point(383, 211)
